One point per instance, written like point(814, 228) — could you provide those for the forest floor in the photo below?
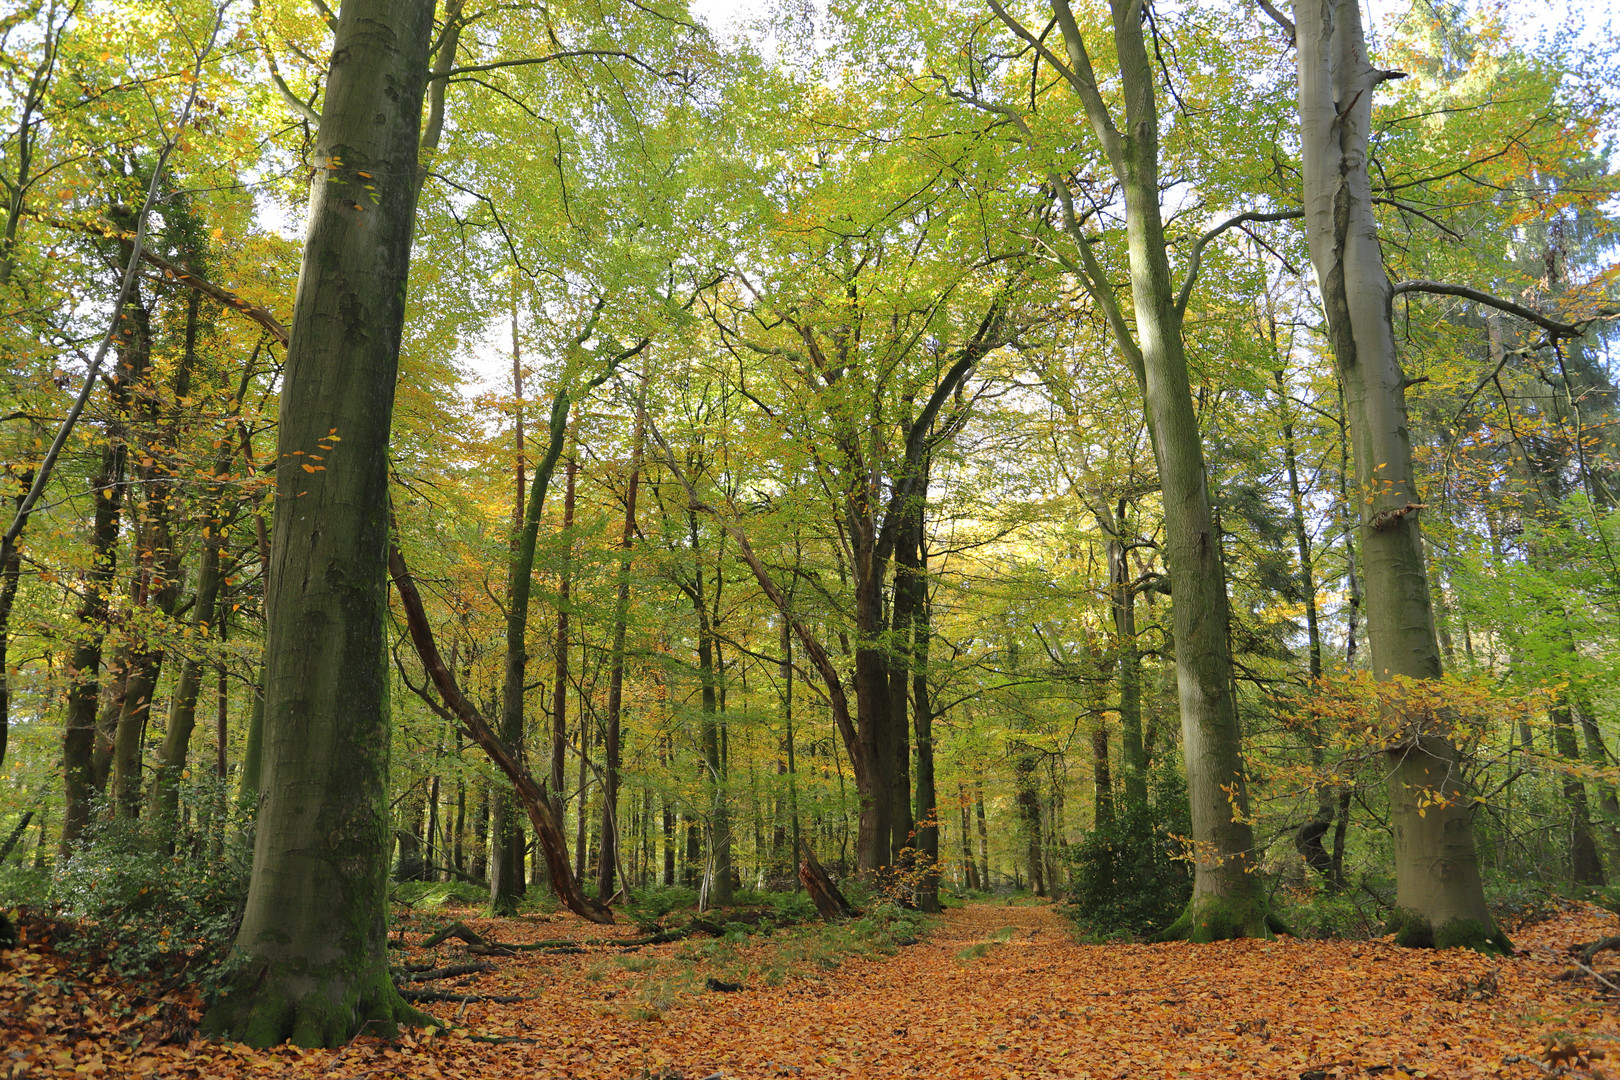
point(992, 990)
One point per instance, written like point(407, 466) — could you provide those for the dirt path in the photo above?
point(993, 991)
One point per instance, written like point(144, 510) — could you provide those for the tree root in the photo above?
point(258, 1009)
point(446, 972)
point(1590, 949)
point(481, 946)
point(449, 995)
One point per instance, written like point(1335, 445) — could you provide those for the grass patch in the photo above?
point(658, 985)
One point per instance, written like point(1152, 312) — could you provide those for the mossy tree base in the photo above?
point(266, 1009)
point(1413, 931)
point(1213, 918)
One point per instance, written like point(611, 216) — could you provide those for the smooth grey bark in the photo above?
point(1439, 892)
point(1227, 900)
point(310, 957)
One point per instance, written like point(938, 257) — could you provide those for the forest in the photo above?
point(982, 474)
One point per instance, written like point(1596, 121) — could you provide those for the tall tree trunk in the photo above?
point(1438, 887)
point(926, 818)
point(1122, 604)
point(311, 949)
point(1029, 816)
point(80, 730)
point(1227, 900)
point(506, 883)
point(666, 756)
point(984, 835)
point(559, 689)
point(970, 869)
point(10, 578)
point(608, 862)
point(1585, 865)
point(158, 569)
point(714, 780)
point(1308, 839)
point(183, 706)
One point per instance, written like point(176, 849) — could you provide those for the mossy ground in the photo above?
point(260, 1010)
point(1413, 931)
point(1213, 918)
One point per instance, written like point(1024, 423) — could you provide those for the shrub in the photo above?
point(24, 886)
point(1317, 913)
point(1124, 875)
point(788, 909)
point(436, 894)
point(651, 905)
point(151, 895)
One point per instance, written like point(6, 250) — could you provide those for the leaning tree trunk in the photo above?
point(1439, 894)
point(79, 736)
point(310, 957)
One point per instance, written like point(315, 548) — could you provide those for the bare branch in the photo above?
point(1195, 260)
point(1553, 327)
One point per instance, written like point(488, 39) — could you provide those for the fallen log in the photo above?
point(1590, 949)
point(823, 892)
point(459, 930)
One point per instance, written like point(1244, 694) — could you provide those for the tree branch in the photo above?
point(1553, 327)
point(1195, 260)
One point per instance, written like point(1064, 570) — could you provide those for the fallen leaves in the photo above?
point(1034, 1005)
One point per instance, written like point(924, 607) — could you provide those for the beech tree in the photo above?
point(310, 961)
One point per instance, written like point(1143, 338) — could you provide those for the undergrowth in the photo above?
point(660, 983)
point(155, 895)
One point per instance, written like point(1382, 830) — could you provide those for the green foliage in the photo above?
point(150, 895)
point(1124, 875)
point(24, 886)
point(651, 905)
point(1321, 914)
point(436, 894)
point(1520, 902)
point(790, 908)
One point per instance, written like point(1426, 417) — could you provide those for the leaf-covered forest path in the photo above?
point(992, 991)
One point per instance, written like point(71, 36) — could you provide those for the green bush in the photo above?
point(152, 896)
point(23, 886)
point(651, 905)
point(1123, 876)
point(1319, 914)
point(436, 894)
point(1523, 902)
point(788, 909)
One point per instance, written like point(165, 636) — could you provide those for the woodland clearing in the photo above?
point(994, 990)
